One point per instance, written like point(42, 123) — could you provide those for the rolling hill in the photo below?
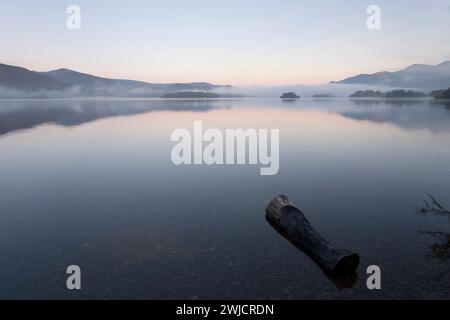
point(18, 78)
point(73, 83)
point(421, 76)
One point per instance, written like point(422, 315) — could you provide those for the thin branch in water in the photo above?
point(435, 202)
point(440, 250)
point(433, 207)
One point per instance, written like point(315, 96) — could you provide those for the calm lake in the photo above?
point(91, 183)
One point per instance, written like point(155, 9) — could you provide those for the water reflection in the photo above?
point(19, 115)
point(106, 196)
point(407, 114)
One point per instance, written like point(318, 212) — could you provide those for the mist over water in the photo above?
point(306, 91)
point(114, 92)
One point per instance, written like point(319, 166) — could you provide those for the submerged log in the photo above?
point(291, 222)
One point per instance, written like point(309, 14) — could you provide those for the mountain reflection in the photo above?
point(405, 114)
point(18, 115)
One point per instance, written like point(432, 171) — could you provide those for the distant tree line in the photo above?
point(441, 94)
point(401, 94)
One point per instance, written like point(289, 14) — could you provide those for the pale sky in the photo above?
point(238, 42)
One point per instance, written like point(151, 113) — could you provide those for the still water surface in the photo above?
point(91, 183)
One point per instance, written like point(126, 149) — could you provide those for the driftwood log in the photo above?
point(290, 221)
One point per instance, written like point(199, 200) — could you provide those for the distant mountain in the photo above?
point(87, 81)
point(416, 76)
point(77, 78)
point(73, 83)
point(13, 77)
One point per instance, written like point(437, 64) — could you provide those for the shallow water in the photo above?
point(91, 183)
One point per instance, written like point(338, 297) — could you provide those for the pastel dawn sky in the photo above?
point(239, 42)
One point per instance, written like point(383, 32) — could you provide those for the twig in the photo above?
point(433, 207)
